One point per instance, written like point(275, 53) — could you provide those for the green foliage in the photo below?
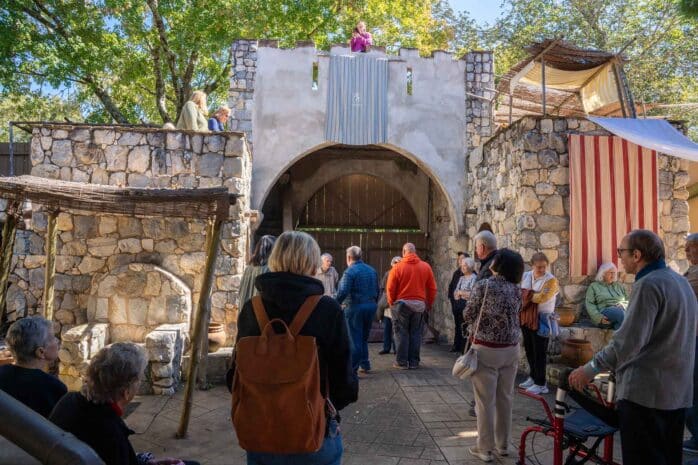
point(131, 61)
point(689, 8)
point(33, 107)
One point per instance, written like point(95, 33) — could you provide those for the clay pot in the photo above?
point(216, 336)
point(567, 315)
point(576, 352)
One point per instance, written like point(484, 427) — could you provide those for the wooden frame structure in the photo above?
point(210, 204)
point(526, 99)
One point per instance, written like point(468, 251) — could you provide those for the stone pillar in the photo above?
point(479, 98)
point(241, 94)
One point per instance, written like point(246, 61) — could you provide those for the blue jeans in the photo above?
point(615, 315)
point(359, 319)
point(388, 340)
point(329, 454)
point(692, 412)
point(407, 325)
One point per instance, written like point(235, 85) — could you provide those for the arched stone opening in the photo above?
point(392, 184)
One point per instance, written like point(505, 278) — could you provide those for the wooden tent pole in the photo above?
point(50, 271)
point(542, 66)
point(201, 320)
point(619, 89)
point(8, 242)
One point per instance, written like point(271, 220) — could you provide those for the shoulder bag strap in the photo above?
point(303, 314)
point(482, 305)
point(260, 312)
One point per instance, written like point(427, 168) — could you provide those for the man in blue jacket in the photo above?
point(358, 292)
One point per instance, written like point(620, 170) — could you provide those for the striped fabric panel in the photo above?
point(357, 100)
point(613, 190)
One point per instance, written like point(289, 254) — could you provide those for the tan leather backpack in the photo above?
point(278, 407)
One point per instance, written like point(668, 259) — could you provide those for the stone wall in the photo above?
point(241, 94)
point(480, 93)
point(519, 183)
point(92, 245)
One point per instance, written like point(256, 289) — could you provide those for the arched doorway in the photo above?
point(363, 210)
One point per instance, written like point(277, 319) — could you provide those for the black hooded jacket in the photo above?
point(283, 294)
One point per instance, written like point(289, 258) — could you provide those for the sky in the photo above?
point(483, 11)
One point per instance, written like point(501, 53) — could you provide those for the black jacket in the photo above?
point(452, 286)
point(37, 390)
point(485, 271)
point(98, 426)
point(283, 294)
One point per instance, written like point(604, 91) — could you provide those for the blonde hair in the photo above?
point(199, 98)
point(295, 252)
point(223, 109)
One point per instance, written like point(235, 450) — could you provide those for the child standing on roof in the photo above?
point(361, 40)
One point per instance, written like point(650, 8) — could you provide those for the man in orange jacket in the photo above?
point(411, 291)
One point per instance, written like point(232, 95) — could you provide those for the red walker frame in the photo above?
point(556, 430)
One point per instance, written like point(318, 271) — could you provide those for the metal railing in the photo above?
point(40, 438)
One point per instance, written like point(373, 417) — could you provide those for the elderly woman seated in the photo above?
point(606, 298)
point(94, 415)
point(34, 347)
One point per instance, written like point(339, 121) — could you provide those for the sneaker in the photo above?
point(484, 456)
point(535, 389)
point(527, 384)
point(414, 367)
point(690, 446)
point(503, 451)
point(383, 352)
point(364, 370)
point(400, 367)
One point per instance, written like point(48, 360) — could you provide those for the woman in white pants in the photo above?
point(493, 312)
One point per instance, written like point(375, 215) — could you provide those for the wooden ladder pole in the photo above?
point(50, 271)
point(8, 241)
point(201, 321)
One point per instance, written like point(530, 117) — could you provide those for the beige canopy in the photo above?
point(561, 79)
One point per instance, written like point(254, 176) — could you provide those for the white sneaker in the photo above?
point(484, 456)
point(502, 452)
point(527, 384)
point(535, 389)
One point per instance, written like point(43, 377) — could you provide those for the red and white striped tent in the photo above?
point(614, 185)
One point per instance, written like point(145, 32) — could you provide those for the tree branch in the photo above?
point(223, 75)
point(171, 58)
point(159, 86)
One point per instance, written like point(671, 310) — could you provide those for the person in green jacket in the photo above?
point(606, 298)
point(193, 116)
point(256, 267)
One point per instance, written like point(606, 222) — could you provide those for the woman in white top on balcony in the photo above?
point(544, 287)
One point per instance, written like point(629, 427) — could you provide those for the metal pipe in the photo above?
point(12, 150)
point(40, 438)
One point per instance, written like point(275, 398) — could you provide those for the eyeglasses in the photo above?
point(620, 251)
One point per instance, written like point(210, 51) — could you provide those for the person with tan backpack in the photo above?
point(292, 367)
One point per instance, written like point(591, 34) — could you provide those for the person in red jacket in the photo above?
point(411, 291)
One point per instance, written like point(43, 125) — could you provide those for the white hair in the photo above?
point(354, 252)
point(328, 256)
point(487, 238)
point(469, 262)
point(603, 269)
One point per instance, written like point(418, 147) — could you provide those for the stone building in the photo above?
point(441, 167)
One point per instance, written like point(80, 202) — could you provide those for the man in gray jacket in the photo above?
point(652, 355)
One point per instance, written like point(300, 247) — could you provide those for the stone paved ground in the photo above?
point(415, 417)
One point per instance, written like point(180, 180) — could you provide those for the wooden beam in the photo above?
point(511, 100)
point(628, 95)
point(8, 241)
point(201, 321)
point(619, 89)
point(542, 66)
point(50, 271)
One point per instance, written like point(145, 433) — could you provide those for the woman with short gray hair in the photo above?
point(35, 348)
point(606, 298)
point(94, 415)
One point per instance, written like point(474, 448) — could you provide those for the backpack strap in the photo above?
point(260, 312)
point(303, 314)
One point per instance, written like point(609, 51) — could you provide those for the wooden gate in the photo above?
point(362, 210)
